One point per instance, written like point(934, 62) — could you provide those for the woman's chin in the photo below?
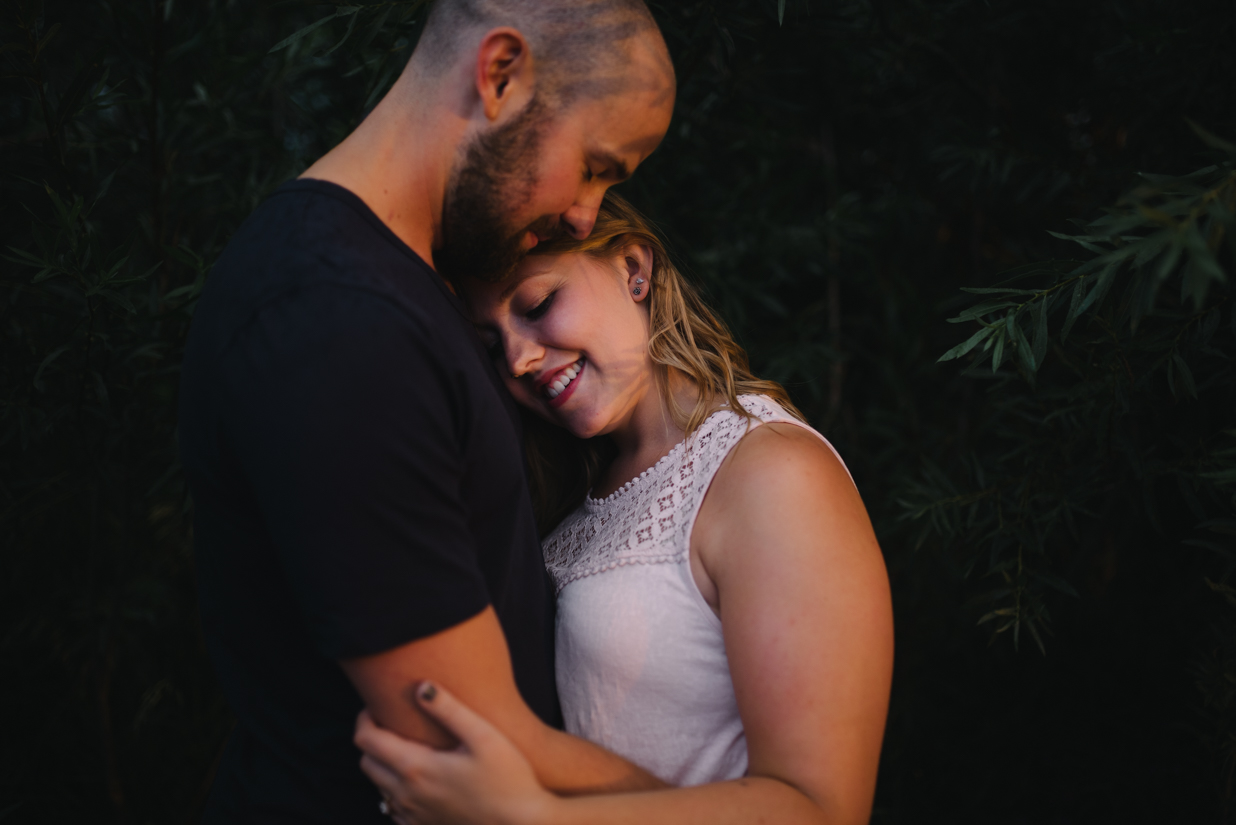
point(578, 423)
point(572, 417)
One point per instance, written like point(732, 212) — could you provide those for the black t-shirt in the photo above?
point(357, 482)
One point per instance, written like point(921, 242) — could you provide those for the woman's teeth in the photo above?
point(560, 383)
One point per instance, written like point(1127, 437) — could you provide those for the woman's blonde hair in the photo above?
point(686, 337)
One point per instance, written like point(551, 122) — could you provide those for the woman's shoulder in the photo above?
point(781, 437)
point(782, 453)
point(780, 464)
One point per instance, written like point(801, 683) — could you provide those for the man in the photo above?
point(361, 517)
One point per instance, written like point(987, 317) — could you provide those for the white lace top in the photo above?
point(641, 663)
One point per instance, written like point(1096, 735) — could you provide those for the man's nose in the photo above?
point(581, 217)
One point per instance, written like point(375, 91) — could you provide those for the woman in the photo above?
point(723, 609)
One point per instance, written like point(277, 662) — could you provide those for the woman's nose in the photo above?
point(522, 354)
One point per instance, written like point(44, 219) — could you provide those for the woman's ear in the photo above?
point(637, 264)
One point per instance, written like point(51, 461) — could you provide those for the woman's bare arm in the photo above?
point(805, 609)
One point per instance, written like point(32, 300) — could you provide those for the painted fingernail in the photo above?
point(428, 692)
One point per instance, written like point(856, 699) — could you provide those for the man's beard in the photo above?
point(495, 179)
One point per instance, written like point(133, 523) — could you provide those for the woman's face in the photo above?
point(575, 333)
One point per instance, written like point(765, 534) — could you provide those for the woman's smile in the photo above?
point(567, 320)
point(560, 385)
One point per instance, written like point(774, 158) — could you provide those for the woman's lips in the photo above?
point(562, 387)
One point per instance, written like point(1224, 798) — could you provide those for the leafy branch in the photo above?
point(1167, 227)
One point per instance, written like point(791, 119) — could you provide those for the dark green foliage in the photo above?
point(1055, 499)
point(1100, 421)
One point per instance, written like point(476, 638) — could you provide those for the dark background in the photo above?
point(1059, 530)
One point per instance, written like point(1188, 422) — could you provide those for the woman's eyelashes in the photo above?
point(537, 312)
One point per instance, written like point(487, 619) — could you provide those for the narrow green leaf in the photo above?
point(1203, 259)
point(47, 362)
point(999, 290)
point(77, 88)
point(1024, 352)
point(1075, 300)
point(47, 273)
point(1167, 264)
point(100, 388)
point(346, 34)
point(297, 35)
point(38, 48)
point(1099, 290)
point(1208, 327)
point(1040, 333)
point(969, 344)
point(1149, 247)
point(978, 310)
point(1037, 639)
point(119, 299)
point(1186, 375)
point(1086, 242)
point(998, 355)
point(1057, 583)
point(374, 28)
point(27, 258)
point(1210, 139)
point(1194, 284)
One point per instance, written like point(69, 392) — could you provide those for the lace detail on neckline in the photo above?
point(648, 520)
point(594, 503)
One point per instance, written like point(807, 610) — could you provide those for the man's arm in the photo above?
point(342, 419)
point(471, 660)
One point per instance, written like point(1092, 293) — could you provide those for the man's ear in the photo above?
point(503, 70)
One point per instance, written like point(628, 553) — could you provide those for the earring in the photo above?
point(638, 290)
point(517, 377)
point(639, 280)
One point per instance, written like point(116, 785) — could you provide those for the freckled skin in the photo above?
point(590, 316)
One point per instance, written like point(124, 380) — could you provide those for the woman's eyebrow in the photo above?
point(510, 288)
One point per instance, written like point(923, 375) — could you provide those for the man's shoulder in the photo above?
point(313, 246)
point(315, 230)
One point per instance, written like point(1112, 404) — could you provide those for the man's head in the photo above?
point(567, 98)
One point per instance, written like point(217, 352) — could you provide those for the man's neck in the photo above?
point(398, 161)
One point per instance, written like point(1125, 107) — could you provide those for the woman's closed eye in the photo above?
point(537, 312)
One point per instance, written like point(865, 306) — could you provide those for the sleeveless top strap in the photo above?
point(649, 519)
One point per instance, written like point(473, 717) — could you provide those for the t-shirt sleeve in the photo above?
point(345, 423)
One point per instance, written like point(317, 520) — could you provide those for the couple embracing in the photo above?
point(472, 463)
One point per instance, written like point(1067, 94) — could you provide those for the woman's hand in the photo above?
point(483, 780)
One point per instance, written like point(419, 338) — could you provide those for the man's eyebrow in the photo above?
point(621, 172)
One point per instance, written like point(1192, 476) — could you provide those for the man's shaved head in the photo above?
point(581, 47)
